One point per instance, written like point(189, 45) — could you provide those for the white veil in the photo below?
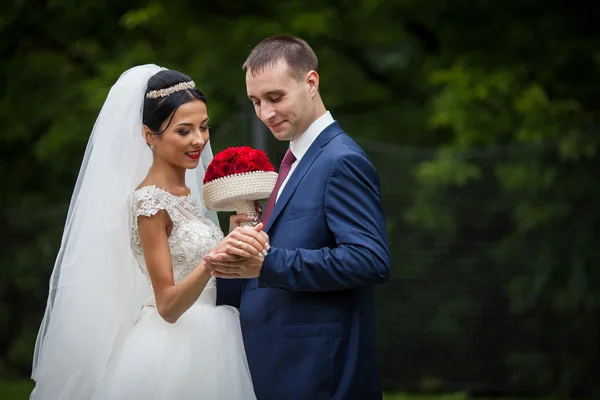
point(96, 287)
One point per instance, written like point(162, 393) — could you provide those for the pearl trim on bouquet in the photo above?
point(225, 194)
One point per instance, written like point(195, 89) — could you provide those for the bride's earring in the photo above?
point(152, 147)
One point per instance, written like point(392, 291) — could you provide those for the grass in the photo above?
point(20, 390)
point(405, 396)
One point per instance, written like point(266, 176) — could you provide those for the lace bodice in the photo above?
point(192, 236)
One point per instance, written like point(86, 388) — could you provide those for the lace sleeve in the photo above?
point(147, 202)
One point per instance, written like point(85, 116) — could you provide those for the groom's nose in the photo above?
point(267, 112)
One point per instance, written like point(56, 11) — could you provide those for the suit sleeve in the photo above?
point(355, 217)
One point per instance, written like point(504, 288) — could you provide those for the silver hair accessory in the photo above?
point(155, 94)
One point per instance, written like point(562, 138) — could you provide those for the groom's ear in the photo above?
point(312, 79)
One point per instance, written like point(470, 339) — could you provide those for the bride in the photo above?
point(131, 311)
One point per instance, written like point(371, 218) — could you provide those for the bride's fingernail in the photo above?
point(265, 252)
point(267, 246)
point(255, 219)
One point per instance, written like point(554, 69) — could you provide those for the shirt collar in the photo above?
point(302, 143)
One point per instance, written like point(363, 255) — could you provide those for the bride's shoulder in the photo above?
point(147, 192)
point(147, 200)
point(143, 189)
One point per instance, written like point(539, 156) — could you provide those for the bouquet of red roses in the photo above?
point(236, 178)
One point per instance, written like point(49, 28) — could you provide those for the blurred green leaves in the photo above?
point(481, 118)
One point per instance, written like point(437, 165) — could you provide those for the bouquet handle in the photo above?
point(246, 207)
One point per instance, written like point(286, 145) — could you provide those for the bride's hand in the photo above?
point(245, 242)
point(236, 219)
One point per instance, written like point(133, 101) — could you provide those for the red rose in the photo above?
point(265, 166)
point(263, 162)
point(244, 157)
point(241, 166)
point(228, 155)
point(224, 169)
point(211, 172)
point(237, 160)
point(259, 158)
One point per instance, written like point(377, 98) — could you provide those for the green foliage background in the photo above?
point(481, 117)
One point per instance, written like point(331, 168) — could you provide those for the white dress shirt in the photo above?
point(302, 143)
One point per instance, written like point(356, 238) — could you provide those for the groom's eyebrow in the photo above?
point(269, 93)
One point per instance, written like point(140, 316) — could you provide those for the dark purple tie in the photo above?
point(284, 169)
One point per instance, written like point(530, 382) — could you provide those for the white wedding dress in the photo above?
point(201, 356)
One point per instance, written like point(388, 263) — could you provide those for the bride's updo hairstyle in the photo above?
point(167, 91)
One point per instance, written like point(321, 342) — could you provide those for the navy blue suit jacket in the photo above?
point(308, 321)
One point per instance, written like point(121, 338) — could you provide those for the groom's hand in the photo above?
point(223, 265)
point(244, 242)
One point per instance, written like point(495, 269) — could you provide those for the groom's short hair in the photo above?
point(299, 56)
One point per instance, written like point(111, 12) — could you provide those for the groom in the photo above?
point(308, 308)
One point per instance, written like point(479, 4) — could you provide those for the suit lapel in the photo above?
point(292, 183)
point(301, 169)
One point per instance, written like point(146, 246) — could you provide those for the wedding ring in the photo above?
point(239, 244)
